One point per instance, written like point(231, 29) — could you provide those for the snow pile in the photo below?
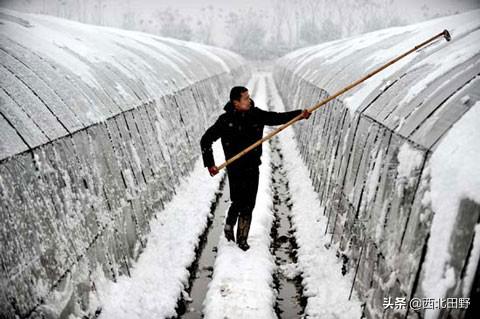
point(241, 285)
point(325, 287)
point(454, 176)
point(160, 274)
point(290, 270)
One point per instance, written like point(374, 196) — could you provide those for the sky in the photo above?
point(411, 10)
point(350, 17)
point(409, 7)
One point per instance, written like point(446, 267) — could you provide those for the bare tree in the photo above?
point(247, 33)
point(205, 25)
point(173, 24)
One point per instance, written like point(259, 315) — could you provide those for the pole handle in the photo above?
point(444, 33)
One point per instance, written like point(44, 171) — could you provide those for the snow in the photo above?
point(290, 270)
point(409, 159)
point(473, 263)
point(158, 277)
point(130, 182)
point(136, 158)
point(57, 301)
point(454, 176)
point(206, 51)
point(353, 45)
point(374, 176)
point(121, 91)
point(46, 27)
point(465, 99)
point(325, 287)
point(241, 285)
point(381, 223)
point(121, 68)
point(440, 57)
point(442, 61)
point(242, 282)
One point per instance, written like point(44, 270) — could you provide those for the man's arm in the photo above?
point(212, 134)
point(277, 118)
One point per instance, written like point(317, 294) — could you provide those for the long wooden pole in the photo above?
point(444, 33)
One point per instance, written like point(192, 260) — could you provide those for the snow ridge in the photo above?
point(242, 281)
point(325, 287)
point(160, 274)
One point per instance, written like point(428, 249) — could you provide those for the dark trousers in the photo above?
point(243, 192)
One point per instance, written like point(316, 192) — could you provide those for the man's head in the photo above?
point(240, 98)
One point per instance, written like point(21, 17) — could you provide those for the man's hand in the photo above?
point(306, 114)
point(213, 170)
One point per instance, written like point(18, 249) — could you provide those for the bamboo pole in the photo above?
point(444, 33)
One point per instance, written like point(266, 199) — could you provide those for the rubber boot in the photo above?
point(242, 231)
point(228, 230)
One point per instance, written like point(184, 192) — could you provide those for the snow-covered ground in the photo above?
point(160, 274)
point(241, 287)
point(325, 287)
point(242, 281)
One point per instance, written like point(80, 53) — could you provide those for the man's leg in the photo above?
point(245, 218)
point(231, 220)
point(236, 189)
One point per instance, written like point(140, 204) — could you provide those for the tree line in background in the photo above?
point(255, 34)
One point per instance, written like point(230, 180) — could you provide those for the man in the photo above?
point(240, 126)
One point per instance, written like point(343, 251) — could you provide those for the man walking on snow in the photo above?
point(240, 126)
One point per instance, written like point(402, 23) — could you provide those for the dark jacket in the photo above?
point(238, 130)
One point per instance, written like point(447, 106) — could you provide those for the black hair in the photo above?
point(236, 92)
